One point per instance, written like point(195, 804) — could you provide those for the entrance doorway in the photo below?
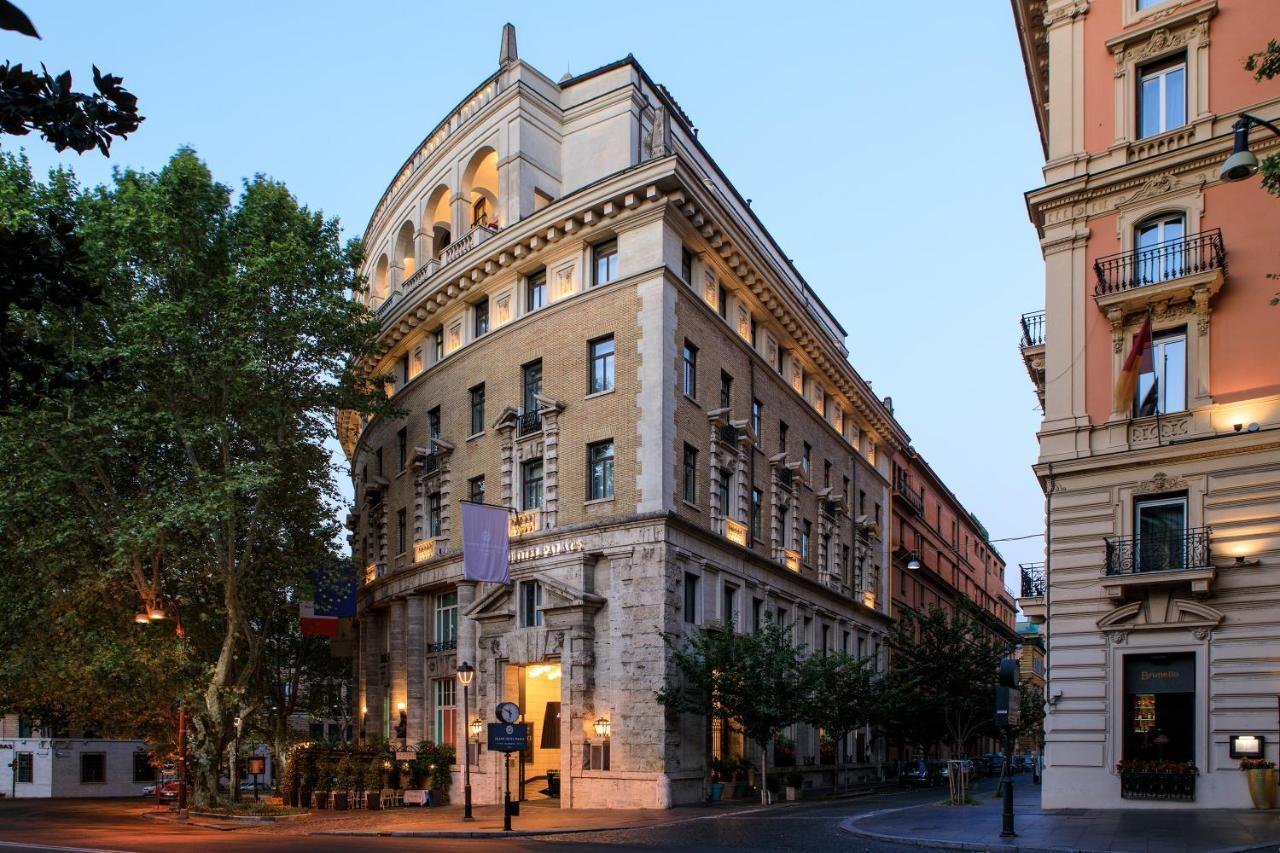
point(540, 760)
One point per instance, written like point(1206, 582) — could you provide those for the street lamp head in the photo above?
point(466, 672)
point(1243, 163)
point(913, 561)
point(142, 617)
point(155, 613)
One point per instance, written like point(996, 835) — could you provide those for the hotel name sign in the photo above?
point(735, 531)
point(549, 549)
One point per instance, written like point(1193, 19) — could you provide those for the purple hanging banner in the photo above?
point(485, 543)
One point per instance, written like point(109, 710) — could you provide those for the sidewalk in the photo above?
point(937, 826)
point(537, 817)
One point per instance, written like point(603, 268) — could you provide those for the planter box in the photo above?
point(340, 800)
point(1145, 785)
point(1262, 787)
point(320, 800)
point(794, 794)
point(372, 800)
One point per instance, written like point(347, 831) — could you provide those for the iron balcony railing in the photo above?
point(784, 475)
point(443, 646)
point(830, 507)
point(729, 433)
point(530, 422)
point(430, 463)
point(902, 486)
point(1165, 552)
point(1032, 329)
point(1032, 580)
point(1167, 261)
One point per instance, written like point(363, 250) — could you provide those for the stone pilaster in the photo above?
point(468, 644)
point(550, 466)
point(507, 447)
point(415, 646)
point(398, 660)
point(371, 670)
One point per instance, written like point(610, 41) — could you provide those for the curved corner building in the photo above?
point(587, 323)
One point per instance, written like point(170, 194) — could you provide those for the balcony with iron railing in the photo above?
point(1032, 324)
point(903, 488)
point(1031, 599)
point(1177, 557)
point(1032, 346)
point(728, 434)
point(529, 423)
point(1173, 269)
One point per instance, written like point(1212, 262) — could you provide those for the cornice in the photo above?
point(1156, 28)
point(773, 292)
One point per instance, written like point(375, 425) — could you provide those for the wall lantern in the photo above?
point(1247, 746)
point(602, 726)
point(476, 728)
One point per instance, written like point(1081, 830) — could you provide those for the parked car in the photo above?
point(923, 773)
point(169, 790)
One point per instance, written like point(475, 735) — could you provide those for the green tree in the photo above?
point(843, 693)
point(756, 680)
point(196, 470)
point(1031, 716)
point(942, 681)
point(1265, 65)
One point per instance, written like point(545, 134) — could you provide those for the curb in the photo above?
point(188, 822)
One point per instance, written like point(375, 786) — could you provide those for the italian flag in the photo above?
point(1138, 363)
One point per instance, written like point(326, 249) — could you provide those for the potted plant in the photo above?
point(346, 773)
point(795, 785)
point(373, 783)
point(324, 783)
point(436, 761)
point(717, 780)
point(1262, 781)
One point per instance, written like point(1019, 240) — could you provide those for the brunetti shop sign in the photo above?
point(550, 549)
point(1160, 674)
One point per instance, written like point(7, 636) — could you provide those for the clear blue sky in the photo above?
point(887, 149)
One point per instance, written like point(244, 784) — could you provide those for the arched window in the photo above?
point(404, 250)
point(379, 282)
point(1159, 248)
point(438, 220)
point(480, 188)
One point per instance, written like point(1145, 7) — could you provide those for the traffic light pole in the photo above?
point(1006, 829)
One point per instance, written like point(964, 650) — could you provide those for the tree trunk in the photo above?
point(764, 773)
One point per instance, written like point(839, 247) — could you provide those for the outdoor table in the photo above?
point(417, 798)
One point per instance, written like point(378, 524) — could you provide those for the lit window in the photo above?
point(446, 710)
point(1162, 98)
point(602, 353)
point(606, 263)
point(600, 468)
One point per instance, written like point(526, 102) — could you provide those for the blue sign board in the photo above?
point(507, 737)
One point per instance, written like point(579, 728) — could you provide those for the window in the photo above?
point(404, 369)
point(446, 710)
point(433, 514)
point(530, 604)
point(757, 420)
point(686, 265)
point(806, 530)
point(690, 474)
point(726, 487)
point(143, 769)
point(1160, 525)
point(93, 768)
point(726, 390)
point(477, 409)
point(1162, 97)
point(826, 639)
point(1160, 707)
point(730, 604)
point(1164, 389)
point(757, 614)
point(784, 538)
point(690, 370)
point(26, 768)
point(531, 484)
point(606, 262)
point(535, 291)
point(782, 436)
point(480, 211)
point(433, 423)
point(402, 536)
point(532, 385)
point(691, 584)
point(446, 617)
point(437, 343)
point(402, 447)
point(1159, 251)
point(600, 470)
point(475, 489)
point(480, 319)
point(826, 473)
point(377, 458)
point(722, 302)
point(601, 355)
point(806, 458)
point(757, 514)
point(1147, 4)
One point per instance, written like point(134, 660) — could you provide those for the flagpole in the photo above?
point(509, 509)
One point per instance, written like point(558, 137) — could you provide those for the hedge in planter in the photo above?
point(1157, 780)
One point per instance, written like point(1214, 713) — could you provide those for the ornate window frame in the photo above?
point(1183, 28)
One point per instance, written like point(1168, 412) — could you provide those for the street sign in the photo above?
point(257, 765)
point(1008, 706)
point(507, 737)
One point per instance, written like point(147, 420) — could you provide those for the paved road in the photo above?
point(113, 826)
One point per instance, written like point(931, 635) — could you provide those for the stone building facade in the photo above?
point(1158, 598)
point(586, 323)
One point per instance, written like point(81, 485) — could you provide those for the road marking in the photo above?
point(34, 846)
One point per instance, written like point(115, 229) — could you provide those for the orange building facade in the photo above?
point(1157, 597)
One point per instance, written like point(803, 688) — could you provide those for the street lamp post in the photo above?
point(466, 672)
point(152, 611)
point(235, 761)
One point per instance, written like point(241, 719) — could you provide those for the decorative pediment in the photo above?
point(547, 404)
point(1158, 185)
point(1161, 611)
point(507, 418)
point(501, 600)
